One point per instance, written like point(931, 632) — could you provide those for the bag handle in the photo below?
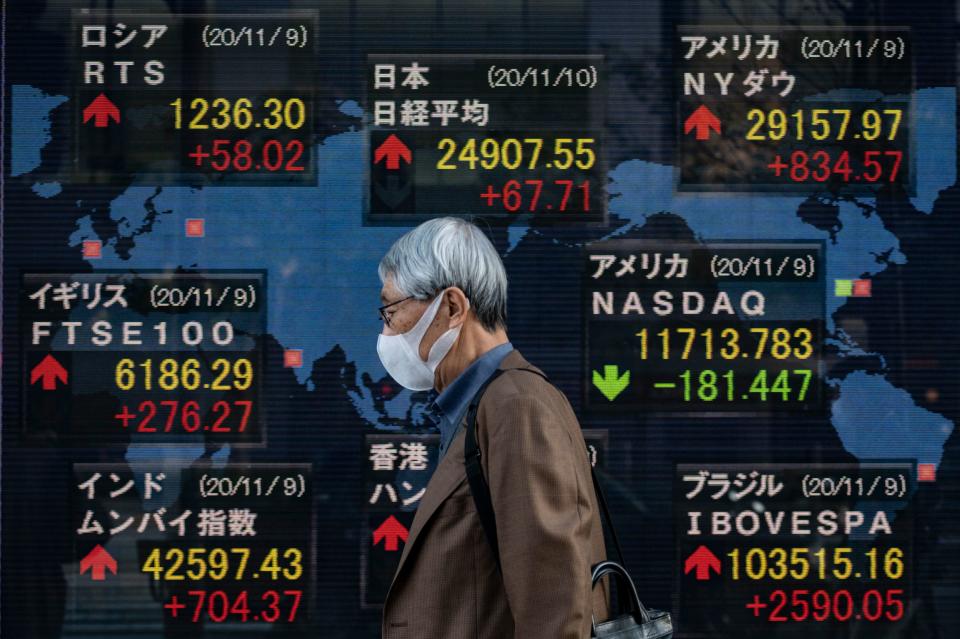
point(612, 567)
point(484, 504)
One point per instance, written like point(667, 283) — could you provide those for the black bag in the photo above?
point(634, 621)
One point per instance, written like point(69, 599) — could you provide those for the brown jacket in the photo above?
point(548, 528)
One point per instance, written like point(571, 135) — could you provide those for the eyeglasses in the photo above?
point(384, 316)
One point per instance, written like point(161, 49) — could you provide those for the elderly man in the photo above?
point(444, 311)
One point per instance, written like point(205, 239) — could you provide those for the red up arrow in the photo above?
point(394, 150)
point(390, 530)
point(49, 370)
point(99, 560)
point(101, 110)
point(702, 560)
point(702, 120)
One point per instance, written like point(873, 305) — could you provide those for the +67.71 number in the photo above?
point(539, 195)
point(526, 154)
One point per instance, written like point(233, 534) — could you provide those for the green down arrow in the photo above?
point(611, 383)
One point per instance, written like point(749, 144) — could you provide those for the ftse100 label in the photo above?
point(111, 355)
point(692, 327)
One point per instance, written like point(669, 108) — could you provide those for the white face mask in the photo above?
point(400, 354)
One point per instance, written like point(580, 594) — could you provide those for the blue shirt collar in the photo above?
point(450, 406)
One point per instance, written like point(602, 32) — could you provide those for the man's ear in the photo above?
point(457, 306)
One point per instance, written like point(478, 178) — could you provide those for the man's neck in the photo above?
point(472, 343)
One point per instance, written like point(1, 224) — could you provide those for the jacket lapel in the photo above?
point(450, 473)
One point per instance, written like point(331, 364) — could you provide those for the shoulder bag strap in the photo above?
point(478, 485)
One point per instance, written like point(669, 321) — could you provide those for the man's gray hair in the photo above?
point(450, 251)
